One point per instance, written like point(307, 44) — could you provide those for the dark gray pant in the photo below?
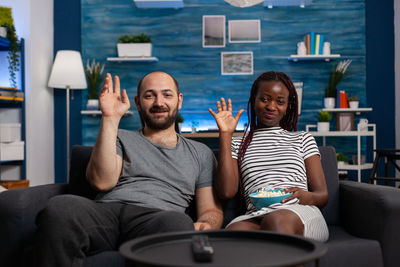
point(72, 227)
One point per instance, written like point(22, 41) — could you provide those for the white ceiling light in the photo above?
point(244, 3)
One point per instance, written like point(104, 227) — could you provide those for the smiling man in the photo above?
point(146, 179)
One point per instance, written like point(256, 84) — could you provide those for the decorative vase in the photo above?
point(323, 126)
point(329, 102)
point(3, 32)
point(92, 104)
point(353, 104)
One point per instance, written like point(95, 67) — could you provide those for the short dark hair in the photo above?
point(139, 87)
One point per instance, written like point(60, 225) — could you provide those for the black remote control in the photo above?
point(201, 248)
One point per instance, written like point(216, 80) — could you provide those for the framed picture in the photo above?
point(299, 90)
point(237, 63)
point(214, 31)
point(244, 31)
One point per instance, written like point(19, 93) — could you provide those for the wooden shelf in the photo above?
point(132, 59)
point(159, 3)
point(347, 110)
point(347, 166)
point(207, 134)
point(98, 112)
point(296, 58)
point(342, 133)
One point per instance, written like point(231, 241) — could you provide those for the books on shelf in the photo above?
point(10, 93)
point(314, 43)
point(341, 99)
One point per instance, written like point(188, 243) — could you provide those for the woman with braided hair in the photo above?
point(272, 153)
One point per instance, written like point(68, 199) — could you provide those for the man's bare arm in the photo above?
point(209, 210)
point(105, 164)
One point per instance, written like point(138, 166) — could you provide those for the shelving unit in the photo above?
point(12, 99)
point(132, 59)
point(98, 112)
point(296, 58)
point(371, 131)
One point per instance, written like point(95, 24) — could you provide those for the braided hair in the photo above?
point(288, 122)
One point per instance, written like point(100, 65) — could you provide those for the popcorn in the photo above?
point(270, 193)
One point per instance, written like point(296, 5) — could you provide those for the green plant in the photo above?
point(354, 98)
point(341, 157)
point(336, 76)
point(131, 38)
point(180, 118)
point(324, 116)
point(94, 75)
point(6, 20)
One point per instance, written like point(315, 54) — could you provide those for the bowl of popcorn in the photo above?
point(263, 199)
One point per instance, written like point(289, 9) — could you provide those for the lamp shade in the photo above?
point(68, 71)
point(244, 3)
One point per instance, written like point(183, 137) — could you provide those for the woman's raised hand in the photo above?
point(112, 102)
point(225, 121)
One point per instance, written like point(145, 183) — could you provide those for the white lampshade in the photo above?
point(244, 3)
point(68, 71)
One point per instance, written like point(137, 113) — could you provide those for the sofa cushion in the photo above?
point(347, 250)
point(78, 185)
point(106, 259)
point(329, 164)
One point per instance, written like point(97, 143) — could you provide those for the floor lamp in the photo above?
point(68, 73)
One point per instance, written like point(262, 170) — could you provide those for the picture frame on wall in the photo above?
point(214, 31)
point(244, 31)
point(299, 91)
point(237, 63)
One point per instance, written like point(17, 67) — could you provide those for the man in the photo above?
point(147, 179)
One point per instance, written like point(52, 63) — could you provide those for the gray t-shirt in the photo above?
point(157, 176)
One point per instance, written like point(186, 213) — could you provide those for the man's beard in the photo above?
point(159, 125)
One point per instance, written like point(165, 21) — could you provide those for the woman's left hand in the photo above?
point(304, 197)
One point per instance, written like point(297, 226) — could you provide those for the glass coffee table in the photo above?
point(231, 248)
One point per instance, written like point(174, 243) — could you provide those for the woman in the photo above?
point(272, 154)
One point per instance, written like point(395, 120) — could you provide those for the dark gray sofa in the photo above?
point(363, 219)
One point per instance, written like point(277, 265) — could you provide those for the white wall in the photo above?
point(34, 22)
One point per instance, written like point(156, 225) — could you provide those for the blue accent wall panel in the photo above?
point(177, 43)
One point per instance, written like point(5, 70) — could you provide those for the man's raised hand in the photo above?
point(113, 103)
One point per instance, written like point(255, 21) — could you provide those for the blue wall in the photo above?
point(177, 43)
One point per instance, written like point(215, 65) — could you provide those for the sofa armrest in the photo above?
point(373, 212)
point(18, 210)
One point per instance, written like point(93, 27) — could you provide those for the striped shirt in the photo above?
point(275, 158)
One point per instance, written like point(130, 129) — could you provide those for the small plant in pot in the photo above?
point(94, 75)
point(180, 119)
point(131, 45)
point(341, 158)
point(7, 22)
point(354, 101)
point(336, 76)
point(324, 117)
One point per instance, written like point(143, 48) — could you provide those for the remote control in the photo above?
point(201, 248)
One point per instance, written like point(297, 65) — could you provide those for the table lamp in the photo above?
point(67, 73)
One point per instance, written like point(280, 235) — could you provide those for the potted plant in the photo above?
point(7, 22)
point(180, 119)
point(341, 158)
point(94, 75)
point(336, 76)
point(130, 45)
point(354, 101)
point(324, 117)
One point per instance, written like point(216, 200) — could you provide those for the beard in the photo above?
point(159, 124)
